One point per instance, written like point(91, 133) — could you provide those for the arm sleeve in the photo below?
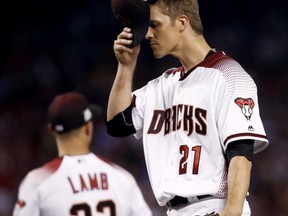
point(27, 201)
point(240, 148)
point(121, 125)
point(239, 115)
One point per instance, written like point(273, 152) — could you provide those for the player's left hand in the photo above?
point(123, 52)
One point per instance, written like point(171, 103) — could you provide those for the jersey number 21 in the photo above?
point(184, 150)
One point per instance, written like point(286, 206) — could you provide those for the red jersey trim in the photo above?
point(213, 59)
point(174, 70)
point(208, 62)
point(21, 203)
point(244, 134)
point(53, 165)
point(133, 102)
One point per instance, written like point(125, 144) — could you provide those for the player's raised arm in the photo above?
point(120, 94)
point(135, 16)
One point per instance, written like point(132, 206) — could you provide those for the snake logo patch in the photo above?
point(246, 105)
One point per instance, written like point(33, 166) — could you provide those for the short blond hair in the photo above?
point(190, 8)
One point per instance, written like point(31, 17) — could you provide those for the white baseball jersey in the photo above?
point(188, 120)
point(80, 185)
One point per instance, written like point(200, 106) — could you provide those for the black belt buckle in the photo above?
point(177, 200)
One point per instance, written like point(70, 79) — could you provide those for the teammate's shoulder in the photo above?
point(38, 175)
point(108, 162)
point(52, 165)
point(116, 168)
point(49, 167)
point(105, 160)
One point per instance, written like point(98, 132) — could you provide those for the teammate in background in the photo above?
point(78, 182)
point(200, 122)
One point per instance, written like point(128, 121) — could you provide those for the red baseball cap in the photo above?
point(134, 14)
point(71, 110)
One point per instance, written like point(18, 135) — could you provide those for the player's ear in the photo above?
point(88, 127)
point(50, 129)
point(182, 22)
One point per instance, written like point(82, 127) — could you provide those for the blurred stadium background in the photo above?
point(50, 47)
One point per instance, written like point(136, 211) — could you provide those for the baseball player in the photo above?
point(199, 122)
point(78, 182)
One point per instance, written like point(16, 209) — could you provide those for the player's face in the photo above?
point(162, 33)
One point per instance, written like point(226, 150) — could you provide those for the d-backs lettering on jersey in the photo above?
point(184, 117)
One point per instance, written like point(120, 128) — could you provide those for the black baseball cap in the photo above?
point(71, 110)
point(134, 14)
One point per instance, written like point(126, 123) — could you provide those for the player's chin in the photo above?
point(158, 54)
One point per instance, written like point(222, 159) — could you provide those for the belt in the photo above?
point(177, 200)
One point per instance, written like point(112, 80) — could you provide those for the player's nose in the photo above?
point(149, 34)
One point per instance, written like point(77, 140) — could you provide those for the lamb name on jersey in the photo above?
point(93, 182)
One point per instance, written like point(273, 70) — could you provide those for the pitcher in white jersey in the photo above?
point(78, 182)
point(199, 122)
